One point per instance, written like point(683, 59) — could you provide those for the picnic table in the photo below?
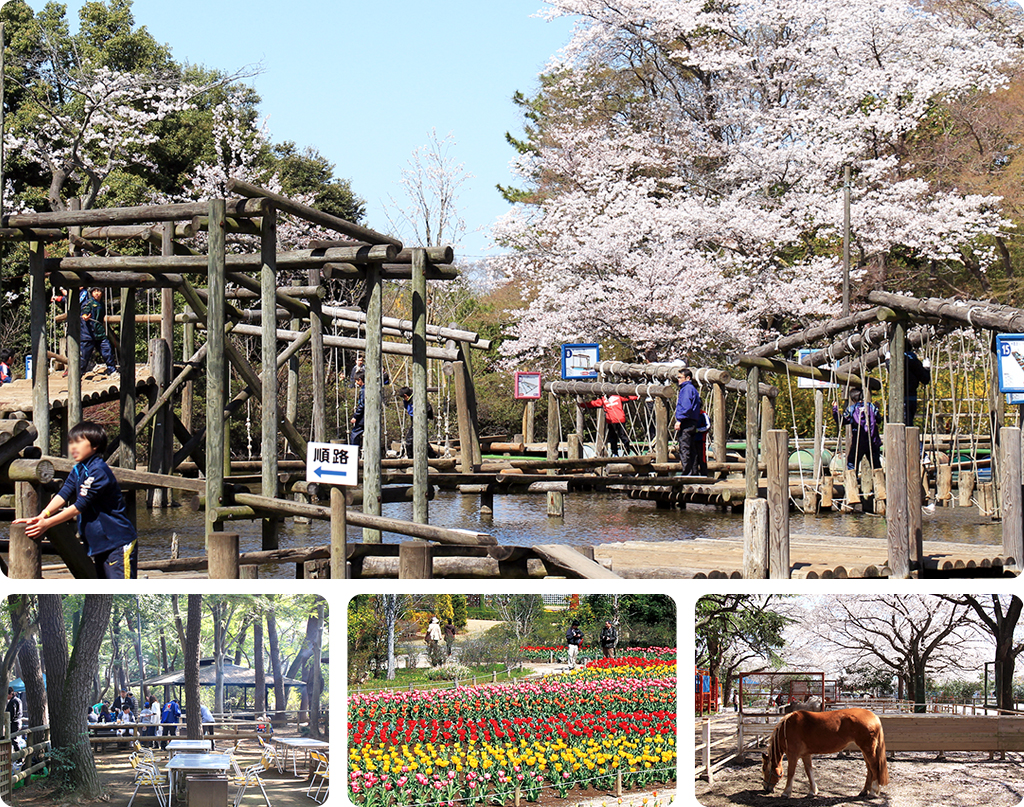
point(182, 763)
point(296, 744)
point(175, 746)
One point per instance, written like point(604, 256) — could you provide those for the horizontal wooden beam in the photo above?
point(297, 259)
point(243, 208)
point(136, 280)
point(668, 371)
point(389, 271)
point(972, 313)
point(790, 368)
point(313, 215)
point(405, 326)
point(827, 330)
point(597, 388)
point(30, 234)
point(349, 343)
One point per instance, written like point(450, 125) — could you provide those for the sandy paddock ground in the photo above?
point(915, 780)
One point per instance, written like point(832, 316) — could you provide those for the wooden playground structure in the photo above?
point(219, 299)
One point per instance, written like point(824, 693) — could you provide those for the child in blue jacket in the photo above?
point(92, 495)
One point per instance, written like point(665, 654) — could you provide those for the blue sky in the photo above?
point(365, 82)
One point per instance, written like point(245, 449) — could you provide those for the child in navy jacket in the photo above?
point(92, 494)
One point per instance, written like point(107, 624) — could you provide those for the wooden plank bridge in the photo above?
point(813, 557)
point(97, 388)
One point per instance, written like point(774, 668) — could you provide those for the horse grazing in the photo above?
point(801, 734)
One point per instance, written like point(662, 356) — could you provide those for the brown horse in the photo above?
point(802, 734)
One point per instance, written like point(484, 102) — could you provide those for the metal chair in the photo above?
point(270, 757)
point(146, 753)
point(251, 776)
point(146, 773)
point(323, 773)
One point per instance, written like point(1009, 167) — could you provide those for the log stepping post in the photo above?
point(415, 560)
point(915, 498)
point(222, 548)
point(777, 456)
point(1010, 479)
point(896, 514)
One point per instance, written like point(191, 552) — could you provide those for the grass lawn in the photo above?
point(418, 677)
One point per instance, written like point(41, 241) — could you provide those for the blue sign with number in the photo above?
point(579, 362)
point(1010, 352)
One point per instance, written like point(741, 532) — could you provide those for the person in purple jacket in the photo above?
point(688, 420)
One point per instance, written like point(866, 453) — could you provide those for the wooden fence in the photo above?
point(11, 758)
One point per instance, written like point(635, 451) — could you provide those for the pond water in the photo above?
point(521, 520)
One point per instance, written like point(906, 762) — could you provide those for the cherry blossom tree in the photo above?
point(684, 162)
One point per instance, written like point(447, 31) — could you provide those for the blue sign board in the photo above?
point(1010, 352)
point(579, 362)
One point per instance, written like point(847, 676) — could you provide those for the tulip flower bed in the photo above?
point(477, 745)
point(544, 653)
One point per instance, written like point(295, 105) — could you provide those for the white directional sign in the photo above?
point(332, 464)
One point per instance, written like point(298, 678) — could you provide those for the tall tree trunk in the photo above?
point(304, 695)
point(260, 695)
point(35, 690)
point(243, 633)
point(135, 630)
point(193, 718)
point(18, 608)
point(317, 683)
point(178, 626)
point(306, 651)
point(164, 669)
point(217, 609)
point(275, 667)
point(68, 681)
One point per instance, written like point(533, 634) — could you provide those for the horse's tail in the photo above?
point(883, 763)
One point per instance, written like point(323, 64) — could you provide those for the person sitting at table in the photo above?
point(90, 714)
point(124, 718)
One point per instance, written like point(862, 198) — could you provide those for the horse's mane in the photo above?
point(776, 748)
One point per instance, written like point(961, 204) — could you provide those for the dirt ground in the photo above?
point(915, 780)
point(116, 774)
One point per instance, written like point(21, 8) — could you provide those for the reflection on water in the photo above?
point(521, 520)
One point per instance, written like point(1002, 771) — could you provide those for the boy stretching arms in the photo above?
point(91, 494)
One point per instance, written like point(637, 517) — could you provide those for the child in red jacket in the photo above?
point(615, 420)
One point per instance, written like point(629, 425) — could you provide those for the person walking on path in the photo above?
point(614, 420)
point(608, 639)
point(433, 639)
point(6, 360)
point(573, 640)
point(449, 637)
point(16, 710)
point(688, 421)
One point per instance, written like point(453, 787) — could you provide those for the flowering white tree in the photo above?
point(94, 120)
point(686, 164)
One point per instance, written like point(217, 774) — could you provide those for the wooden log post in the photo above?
point(529, 422)
point(575, 447)
point(755, 539)
point(897, 521)
point(291, 409)
point(944, 484)
point(661, 421)
point(753, 430)
point(160, 362)
point(74, 352)
point(819, 431)
point(463, 417)
point(828, 486)
point(1010, 479)
point(997, 415)
point(188, 346)
point(879, 491)
point(25, 557)
point(777, 460)
point(316, 346)
point(965, 488)
point(128, 394)
point(767, 419)
point(987, 499)
point(216, 369)
point(420, 469)
point(415, 560)
point(268, 355)
point(719, 423)
point(339, 531)
point(373, 392)
point(915, 498)
point(223, 553)
point(897, 372)
point(38, 304)
point(487, 501)
point(555, 499)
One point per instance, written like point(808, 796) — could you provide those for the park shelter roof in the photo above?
point(234, 676)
